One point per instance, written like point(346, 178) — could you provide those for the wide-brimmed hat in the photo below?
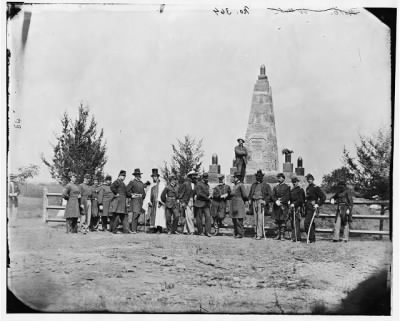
point(137, 172)
point(240, 139)
point(221, 176)
point(280, 175)
point(295, 179)
point(154, 172)
point(192, 173)
point(309, 176)
point(122, 173)
point(260, 173)
point(108, 178)
point(205, 175)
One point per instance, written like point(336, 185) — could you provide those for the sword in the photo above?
point(311, 222)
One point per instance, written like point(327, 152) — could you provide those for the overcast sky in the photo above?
point(150, 78)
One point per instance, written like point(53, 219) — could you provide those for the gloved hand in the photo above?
point(278, 202)
point(101, 207)
point(292, 205)
point(316, 206)
point(150, 204)
point(347, 211)
point(332, 201)
point(262, 202)
point(81, 206)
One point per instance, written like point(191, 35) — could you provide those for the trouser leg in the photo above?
point(74, 224)
point(199, 221)
point(207, 218)
point(115, 222)
point(168, 219)
point(135, 221)
point(175, 221)
point(68, 224)
point(240, 229)
point(278, 230)
point(104, 223)
point(296, 233)
point(189, 217)
point(346, 231)
point(336, 228)
point(258, 214)
point(124, 220)
point(235, 229)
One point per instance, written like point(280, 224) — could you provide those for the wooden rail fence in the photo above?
point(384, 207)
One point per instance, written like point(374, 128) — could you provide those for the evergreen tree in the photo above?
point(186, 156)
point(79, 148)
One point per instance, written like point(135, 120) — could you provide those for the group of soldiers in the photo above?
point(115, 203)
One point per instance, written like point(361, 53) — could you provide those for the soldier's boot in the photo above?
point(278, 235)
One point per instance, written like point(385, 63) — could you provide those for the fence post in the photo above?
point(381, 220)
point(45, 203)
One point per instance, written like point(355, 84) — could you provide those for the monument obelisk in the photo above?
point(261, 141)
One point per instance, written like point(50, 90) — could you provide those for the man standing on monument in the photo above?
point(259, 197)
point(280, 197)
point(315, 197)
point(241, 158)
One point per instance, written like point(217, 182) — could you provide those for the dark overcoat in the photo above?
point(118, 204)
point(136, 186)
point(281, 192)
point(238, 196)
point(218, 204)
point(186, 192)
point(344, 199)
point(202, 192)
point(297, 196)
point(105, 198)
point(72, 193)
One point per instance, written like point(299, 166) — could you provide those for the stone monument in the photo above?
point(214, 169)
point(260, 140)
point(299, 169)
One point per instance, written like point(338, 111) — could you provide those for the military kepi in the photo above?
point(122, 173)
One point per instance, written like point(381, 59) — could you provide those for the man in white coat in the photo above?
point(156, 206)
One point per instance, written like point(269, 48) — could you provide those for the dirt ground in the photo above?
point(57, 272)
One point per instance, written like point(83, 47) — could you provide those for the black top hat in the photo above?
point(309, 176)
point(108, 178)
point(122, 173)
point(137, 172)
point(280, 175)
point(154, 172)
point(259, 173)
point(295, 179)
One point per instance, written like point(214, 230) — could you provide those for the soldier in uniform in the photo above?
point(220, 195)
point(238, 198)
point(202, 205)
point(259, 197)
point(241, 158)
point(156, 207)
point(344, 200)
point(136, 189)
point(13, 192)
point(186, 193)
point(86, 203)
point(104, 199)
point(118, 204)
point(170, 197)
point(72, 194)
point(95, 217)
point(297, 198)
point(280, 210)
point(315, 197)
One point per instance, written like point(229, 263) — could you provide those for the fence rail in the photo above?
point(383, 204)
